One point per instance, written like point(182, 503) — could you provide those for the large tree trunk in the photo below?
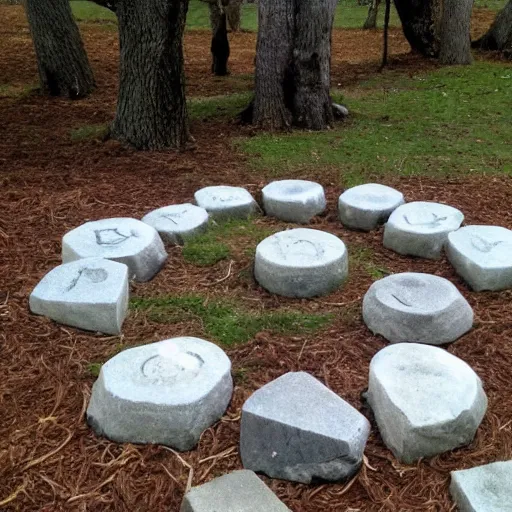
point(455, 32)
point(371, 19)
point(151, 107)
point(220, 43)
point(499, 36)
point(62, 63)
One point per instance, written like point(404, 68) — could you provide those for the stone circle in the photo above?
point(421, 228)
point(178, 222)
point(162, 393)
point(482, 256)
point(90, 294)
point(294, 200)
point(485, 488)
point(366, 206)
point(239, 491)
point(414, 307)
point(224, 202)
point(294, 428)
point(124, 240)
point(301, 263)
point(426, 401)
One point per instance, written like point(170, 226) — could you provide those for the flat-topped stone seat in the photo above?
point(239, 491)
point(178, 222)
point(294, 428)
point(485, 488)
point(162, 393)
point(124, 240)
point(293, 200)
point(301, 263)
point(482, 256)
point(367, 206)
point(421, 228)
point(426, 401)
point(225, 202)
point(414, 307)
point(90, 294)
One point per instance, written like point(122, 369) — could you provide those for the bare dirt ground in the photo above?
point(49, 459)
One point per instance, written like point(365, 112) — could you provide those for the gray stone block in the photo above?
point(294, 428)
point(484, 488)
point(482, 256)
point(413, 307)
point(366, 206)
point(90, 294)
point(162, 393)
point(124, 240)
point(239, 491)
point(421, 228)
point(178, 222)
point(224, 202)
point(426, 401)
point(301, 263)
point(293, 200)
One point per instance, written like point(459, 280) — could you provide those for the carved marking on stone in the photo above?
point(402, 301)
point(171, 369)
point(483, 245)
point(299, 247)
point(95, 275)
point(111, 236)
point(227, 199)
point(172, 216)
point(416, 221)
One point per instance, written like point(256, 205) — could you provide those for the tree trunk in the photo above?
point(371, 20)
point(234, 14)
point(220, 41)
point(62, 63)
point(151, 108)
point(499, 36)
point(455, 32)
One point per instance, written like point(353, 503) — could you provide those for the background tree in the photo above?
point(455, 45)
point(234, 14)
point(371, 19)
point(499, 36)
point(220, 42)
point(62, 63)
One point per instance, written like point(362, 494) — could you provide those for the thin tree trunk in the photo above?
point(151, 108)
point(373, 11)
point(499, 36)
point(234, 14)
point(62, 63)
point(220, 42)
point(455, 32)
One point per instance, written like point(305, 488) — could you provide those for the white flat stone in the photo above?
point(426, 401)
point(124, 240)
point(295, 428)
point(162, 393)
point(293, 200)
point(178, 222)
point(224, 202)
point(421, 228)
point(90, 294)
point(482, 256)
point(366, 206)
point(301, 263)
point(485, 488)
point(413, 307)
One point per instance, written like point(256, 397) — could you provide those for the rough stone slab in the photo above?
point(294, 200)
point(178, 222)
point(415, 307)
point(162, 393)
point(421, 228)
point(426, 401)
point(483, 488)
point(294, 428)
point(482, 256)
point(124, 240)
point(90, 294)
point(366, 206)
point(224, 202)
point(301, 263)
point(239, 491)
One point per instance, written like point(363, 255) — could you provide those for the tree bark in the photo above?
point(151, 107)
point(455, 47)
point(220, 42)
point(62, 63)
point(499, 36)
point(234, 14)
point(371, 20)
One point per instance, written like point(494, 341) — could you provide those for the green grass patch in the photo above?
point(363, 258)
point(91, 12)
point(219, 107)
point(16, 91)
point(94, 369)
point(88, 132)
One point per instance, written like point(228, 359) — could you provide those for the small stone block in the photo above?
point(482, 256)
point(426, 401)
point(301, 263)
point(239, 491)
point(366, 206)
point(224, 202)
point(421, 229)
point(124, 240)
point(90, 294)
point(413, 307)
point(178, 222)
point(294, 428)
point(293, 200)
point(162, 393)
